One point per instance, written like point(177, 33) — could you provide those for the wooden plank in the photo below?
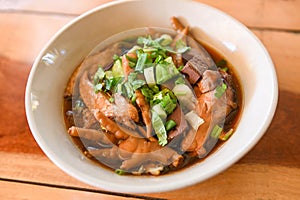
point(282, 46)
point(65, 7)
point(244, 182)
point(275, 157)
point(15, 135)
point(35, 168)
point(17, 191)
point(257, 180)
point(255, 13)
point(260, 13)
point(270, 171)
point(28, 37)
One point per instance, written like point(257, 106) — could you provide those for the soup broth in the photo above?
point(150, 109)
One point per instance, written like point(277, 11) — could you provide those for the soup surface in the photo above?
point(152, 102)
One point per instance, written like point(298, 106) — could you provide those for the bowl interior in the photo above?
point(59, 58)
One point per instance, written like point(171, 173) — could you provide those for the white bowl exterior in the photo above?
point(56, 62)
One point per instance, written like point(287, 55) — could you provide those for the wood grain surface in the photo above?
point(271, 170)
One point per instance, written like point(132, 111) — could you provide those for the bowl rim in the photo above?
point(192, 180)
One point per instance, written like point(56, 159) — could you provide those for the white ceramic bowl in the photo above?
point(56, 62)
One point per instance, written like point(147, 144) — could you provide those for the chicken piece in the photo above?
point(125, 112)
point(139, 145)
point(144, 151)
point(145, 109)
point(176, 24)
point(91, 64)
point(195, 140)
point(180, 36)
point(110, 125)
point(88, 119)
point(108, 156)
point(92, 135)
point(94, 100)
point(213, 110)
point(122, 110)
point(210, 80)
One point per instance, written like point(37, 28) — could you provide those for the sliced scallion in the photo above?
point(220, 90)
point(149, 75)
point(194, 119)
point(142, 58)
point(120, 172)
point(170, 124)
point(159, 129)
point(225, 136)
point(215, 133)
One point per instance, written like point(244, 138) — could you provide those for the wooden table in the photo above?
point(271, 170)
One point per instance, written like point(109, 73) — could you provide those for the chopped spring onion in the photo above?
point(162, 44)
point(181, 46)
point(158, 58)
point(98, 87)
point(170, 124)
point(116, 57)
point(134, 48)
point(136, 84)
point(165, 39)
point(160, 111)
point(120, 89)
point(120, 172)
point(225, 136)
point(180, 80)
point(147, 41)
point(147, 92)
point(221, 63)
point(149, 75)
point(180, 67)
point(194, 120)
point(131, 77)
point(168, 103)
point(129, 90)
point(117, 69)
point(220, 90)
point(215, 133)
point(111, 99)
point(185, 96)
point(130, 59)
point(166, 99)
point(165, 70)
point(159, 129)
point(142, 58)
point(110, 83)
point(99, 75)
point(104, 81)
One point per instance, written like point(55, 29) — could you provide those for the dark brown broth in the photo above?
point(188, 160)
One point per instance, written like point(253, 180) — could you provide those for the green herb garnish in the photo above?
point(167, 99)
point(220, 90)
point(216, 132)
point(120, 172)
point(180, 80)
point(142, 59)
point(170, 124)
point(225, 136)
point(99, 75)
point(159, 129)
point(221, 63)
